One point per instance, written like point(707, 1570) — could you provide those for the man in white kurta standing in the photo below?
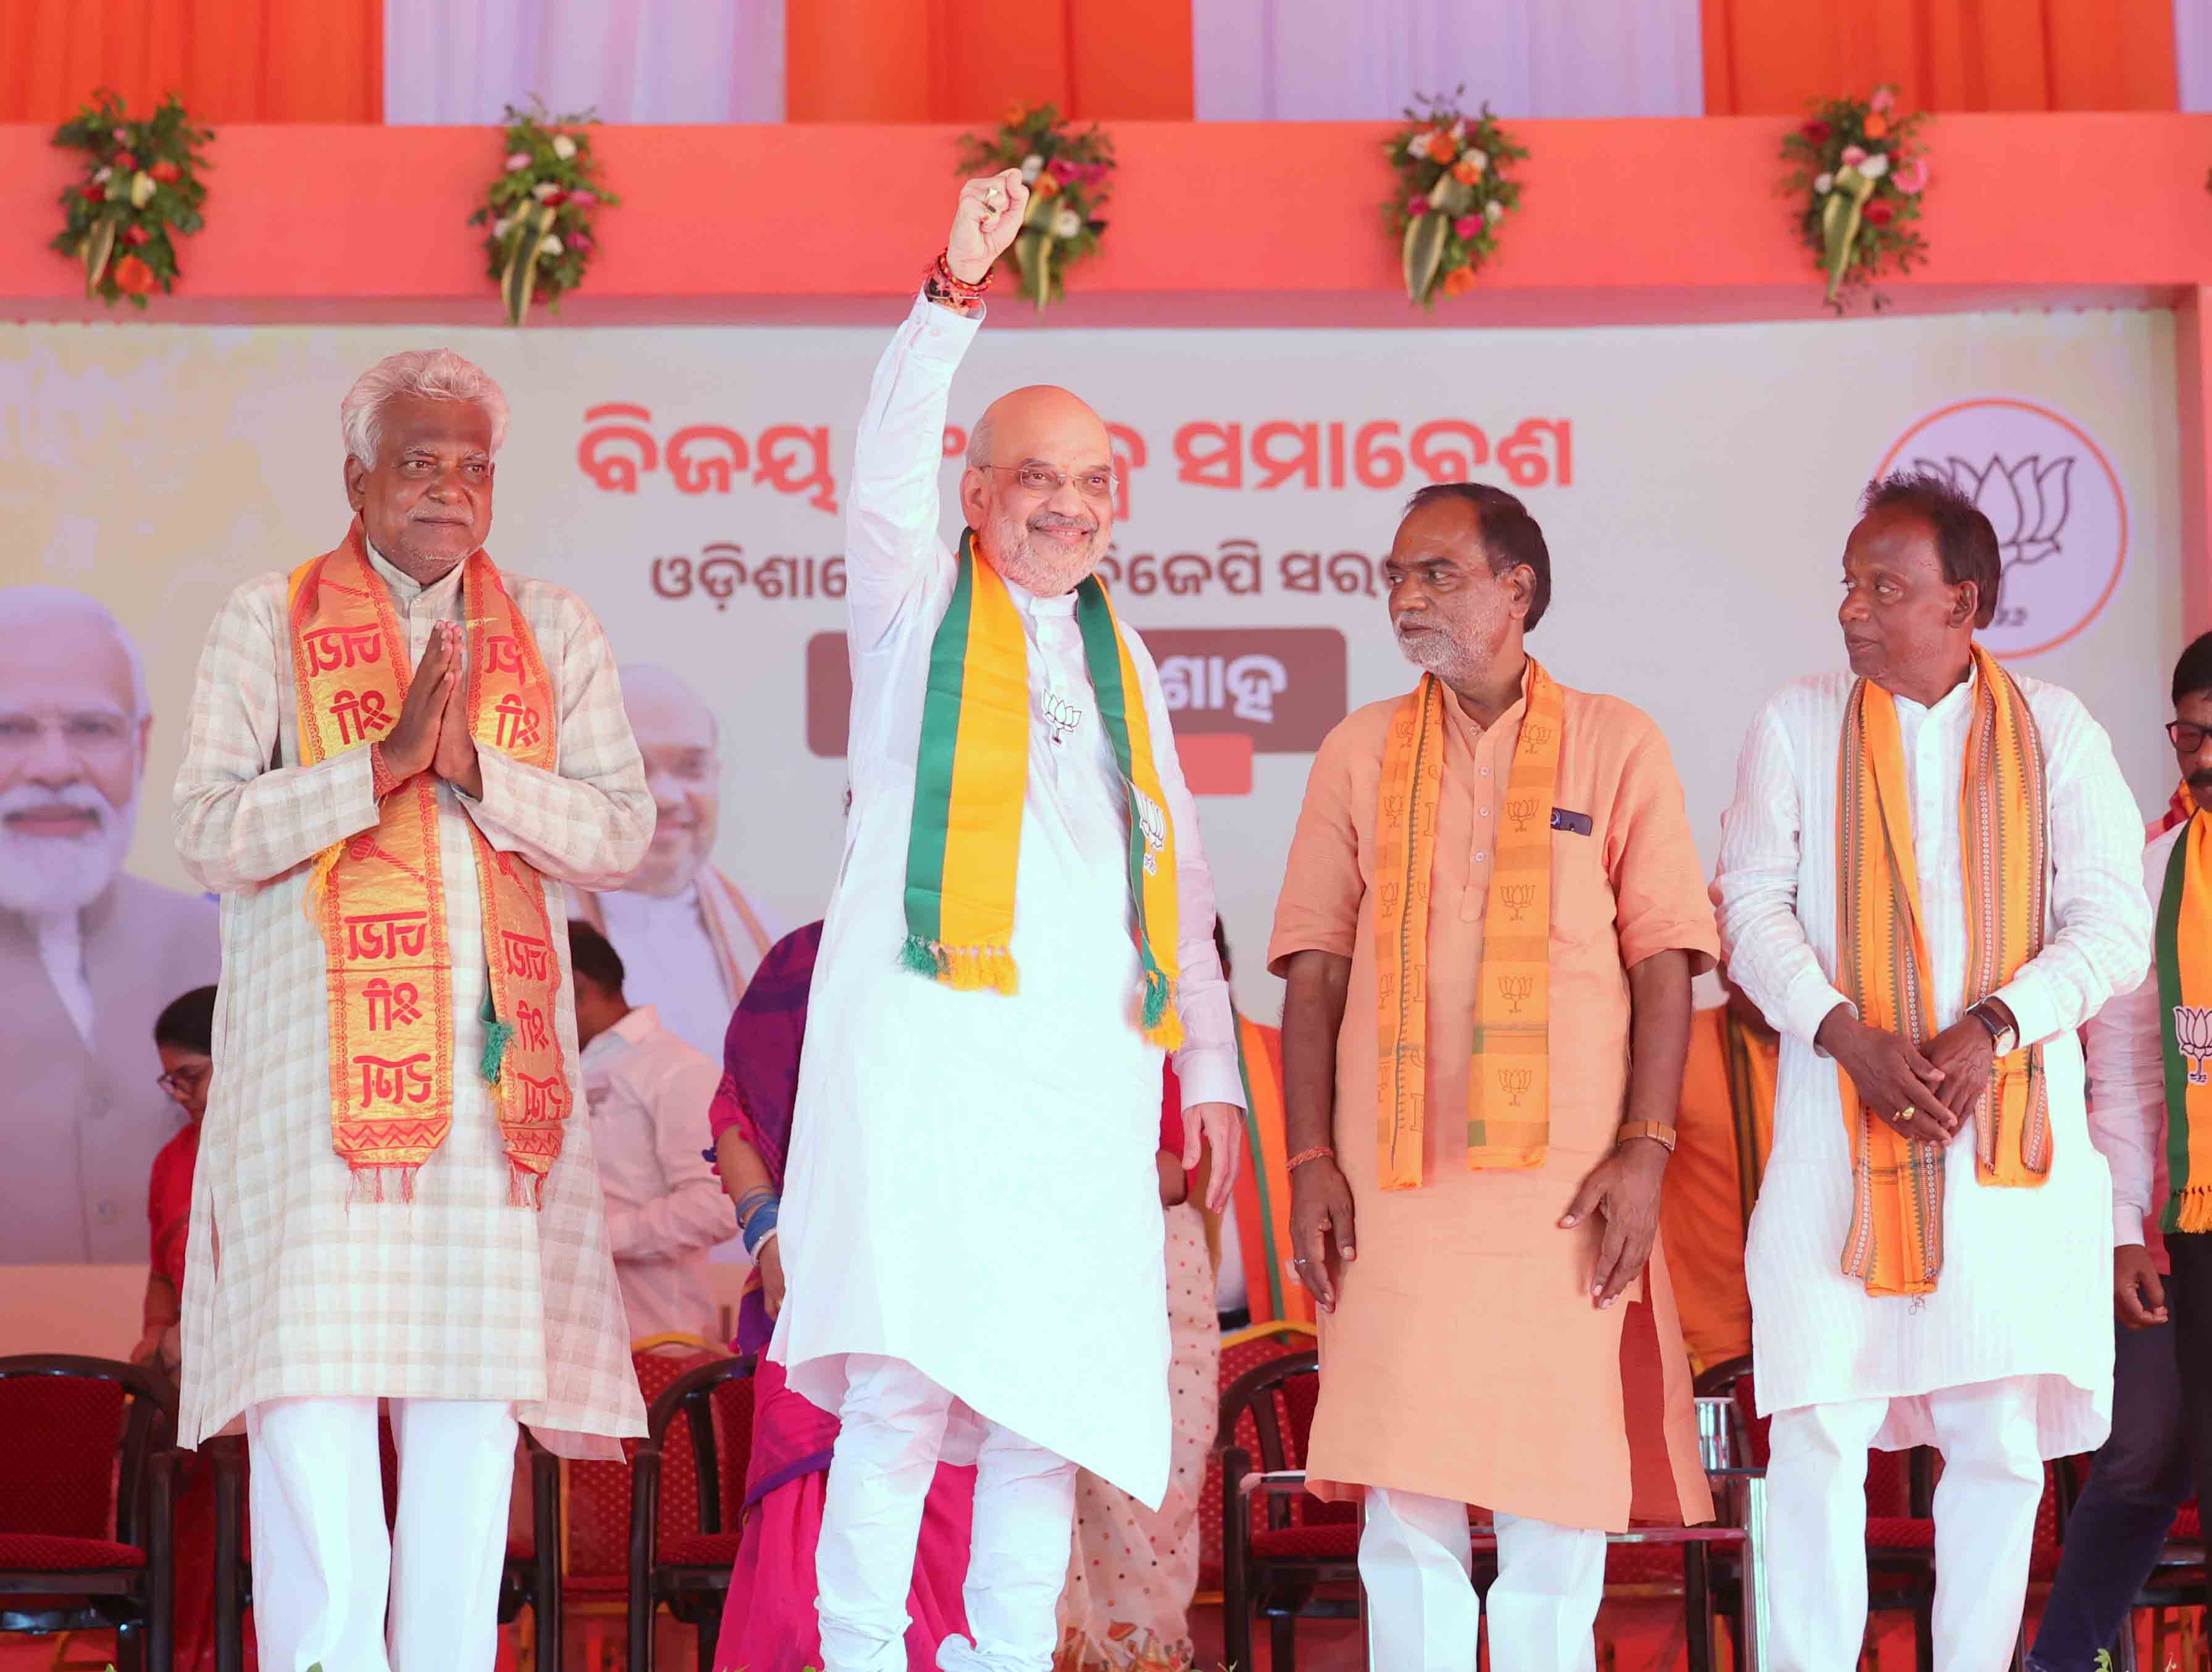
point(397, 754)
point(1929, 878)
point(971, 1228)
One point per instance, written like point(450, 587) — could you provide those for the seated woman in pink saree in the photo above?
point(768, 1622)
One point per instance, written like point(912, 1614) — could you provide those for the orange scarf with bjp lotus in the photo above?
point(1895, 1244)
point(378, 897)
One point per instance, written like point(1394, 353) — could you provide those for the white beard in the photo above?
point(46, 876)
point(1039, 570)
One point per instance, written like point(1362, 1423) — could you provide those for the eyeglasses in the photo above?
point(182, 1082)
point(1097, 486)
point(2185, 738)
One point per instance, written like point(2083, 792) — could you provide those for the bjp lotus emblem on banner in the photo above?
point(2192, 1037)
point(2049, 490)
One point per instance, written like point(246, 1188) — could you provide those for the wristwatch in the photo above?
point(1662, 1135)
point(2003, 1035)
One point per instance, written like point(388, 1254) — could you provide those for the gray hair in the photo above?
point(429, 373)
point(979, 443)
point(27, 605)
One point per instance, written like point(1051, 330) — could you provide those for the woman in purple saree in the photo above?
point(769, 1621)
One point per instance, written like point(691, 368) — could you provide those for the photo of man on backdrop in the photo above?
point(89, 954)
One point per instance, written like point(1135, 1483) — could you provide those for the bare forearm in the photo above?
point(161, 1307)
point(1659, 1036)
point(1313, 1016)
point(743, 1171)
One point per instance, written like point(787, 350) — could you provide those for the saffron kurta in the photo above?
point(2026, 1287)
point(294, 1287)
point(1724, 1131)
point(971, 1186)
point(1465, 1358)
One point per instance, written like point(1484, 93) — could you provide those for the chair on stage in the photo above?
point(530, 1578)
point(87, 1499)
point(1288, 1556)
point(684, 1522)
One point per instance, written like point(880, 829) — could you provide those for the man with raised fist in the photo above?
point(1023, 922)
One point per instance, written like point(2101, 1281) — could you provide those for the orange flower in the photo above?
point(133, 277)
point(1466, 170)
point(1459, 281)
point(1016, 113)
point(1046, 185)
point(1442, 147)
point(1876, 124)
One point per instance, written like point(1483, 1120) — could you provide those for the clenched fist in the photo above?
point(988, 216)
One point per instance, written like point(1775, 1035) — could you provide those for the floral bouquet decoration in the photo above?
point(541, 207)
point(1453, 190)
point(1070, 175)
point(140, 193)
point(1862, 179)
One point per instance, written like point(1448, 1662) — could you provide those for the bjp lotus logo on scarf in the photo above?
point(1153, 822)
point(2193, 1036)
point(2052, 496)
point(1516, 990)
point(1521, 809)
point(1515, 1083)
point(1518, 897)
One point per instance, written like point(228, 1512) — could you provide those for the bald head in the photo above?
point(1039, 488)
point(681, 743)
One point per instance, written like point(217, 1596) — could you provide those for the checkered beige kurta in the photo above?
point(293, 1287)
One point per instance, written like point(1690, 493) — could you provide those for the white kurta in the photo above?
point(2027, 1278)
point(971, 1187)
point(292, 1288)
point(2127, 1063)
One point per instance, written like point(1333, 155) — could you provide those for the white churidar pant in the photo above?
point(323, 1562)
point(1416, 1559)
point(1985, 1506)
point(895, 1425)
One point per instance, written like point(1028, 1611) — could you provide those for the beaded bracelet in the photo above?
point(941, 284)
point(1318, 1152)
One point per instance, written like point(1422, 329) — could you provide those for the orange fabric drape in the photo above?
point(1774, 57)
point(967, 60)
point(228, 60)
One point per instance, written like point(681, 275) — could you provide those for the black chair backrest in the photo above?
point(691, 1397)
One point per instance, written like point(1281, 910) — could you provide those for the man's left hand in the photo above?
point(455, 760)
point(1965, 1053)
point(1625, 1188)
point(1220, 1126)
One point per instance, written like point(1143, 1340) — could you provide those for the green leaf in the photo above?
point(1424, 254)
point(519, 282)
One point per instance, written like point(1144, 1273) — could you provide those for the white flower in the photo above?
point(1032, 166)
point(1493, 211)
point(1875, 166)
point(141, 190)
point(563, 147)
point(1824, 184)
point(503, 226)
point(1066, 224)
point(1459, 129)
point(543, 190)
point(1478, 160)
point(549, 244)
point(1418, 146)
point(101, 175)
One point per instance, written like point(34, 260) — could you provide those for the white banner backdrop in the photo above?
point(1695, 485)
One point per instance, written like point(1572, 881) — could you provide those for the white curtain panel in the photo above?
point(1363, 60)
point(642, 61)
point(2192, 51)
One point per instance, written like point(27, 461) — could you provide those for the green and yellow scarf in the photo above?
point(2184, 1025)
point(971, 779)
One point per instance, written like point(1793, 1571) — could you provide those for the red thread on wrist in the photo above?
point(1318, 1152)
